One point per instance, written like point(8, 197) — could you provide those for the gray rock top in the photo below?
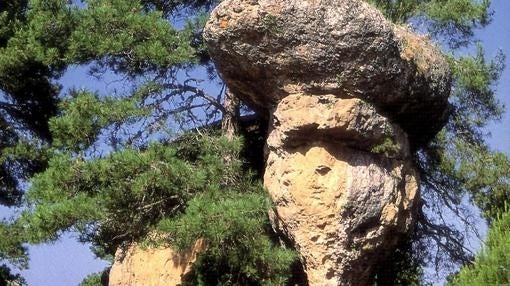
point(268, 49)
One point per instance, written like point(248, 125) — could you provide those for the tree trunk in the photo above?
point(230, 121)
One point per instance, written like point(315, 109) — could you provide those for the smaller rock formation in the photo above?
point(159, 266)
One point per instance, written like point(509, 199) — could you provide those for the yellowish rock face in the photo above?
point(161, 266)
point(343, 206)
point(348, 96)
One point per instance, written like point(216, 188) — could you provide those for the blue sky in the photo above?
point(67, 262)
point(497, 36)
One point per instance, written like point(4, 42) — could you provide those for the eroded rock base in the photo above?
point(161, 266)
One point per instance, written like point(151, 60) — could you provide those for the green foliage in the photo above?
point(95, 279)
point(11, 12)
point(473, 94)
point(115, 199)
point(387, 148)
point(492, 265)
point(12, 251)
point(398, 11)
point(40, 39)
point(185, 190)
point(11, 248)
point(43, 38)
point(179, 6)
point(27, 101)
point(457, 17)
point(236, 228)
point(454, 20)
point(92, 280)
point(17, 161)
point(126, 38)
point(84, 115)
point(476, 171)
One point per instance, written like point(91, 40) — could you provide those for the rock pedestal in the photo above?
point(349, 97)
point(266, 50)
point(343, 199)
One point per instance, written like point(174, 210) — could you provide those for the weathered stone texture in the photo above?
point(349, 96)
point(341, 205)
point(161, 266)
point(267, 49)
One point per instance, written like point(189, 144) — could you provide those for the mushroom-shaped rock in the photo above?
point(268, 49)
point(349, 96)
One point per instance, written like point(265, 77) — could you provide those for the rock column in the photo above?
point(343, 185)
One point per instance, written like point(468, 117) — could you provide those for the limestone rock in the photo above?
point(349, 96)
point(343, 206)
point(161, 266)
point(301, 119)
point(268, 49)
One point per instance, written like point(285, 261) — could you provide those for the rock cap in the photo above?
point(268, 49)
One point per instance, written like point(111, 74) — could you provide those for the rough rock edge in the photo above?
point(156, 266)
point(343, 47)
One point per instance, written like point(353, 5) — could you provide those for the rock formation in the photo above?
point(267, 49)
point(349, 96)
point(342, 199)
point(159, 266)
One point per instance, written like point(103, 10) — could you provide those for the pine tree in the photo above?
point(110, 171)
point(492, 265)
